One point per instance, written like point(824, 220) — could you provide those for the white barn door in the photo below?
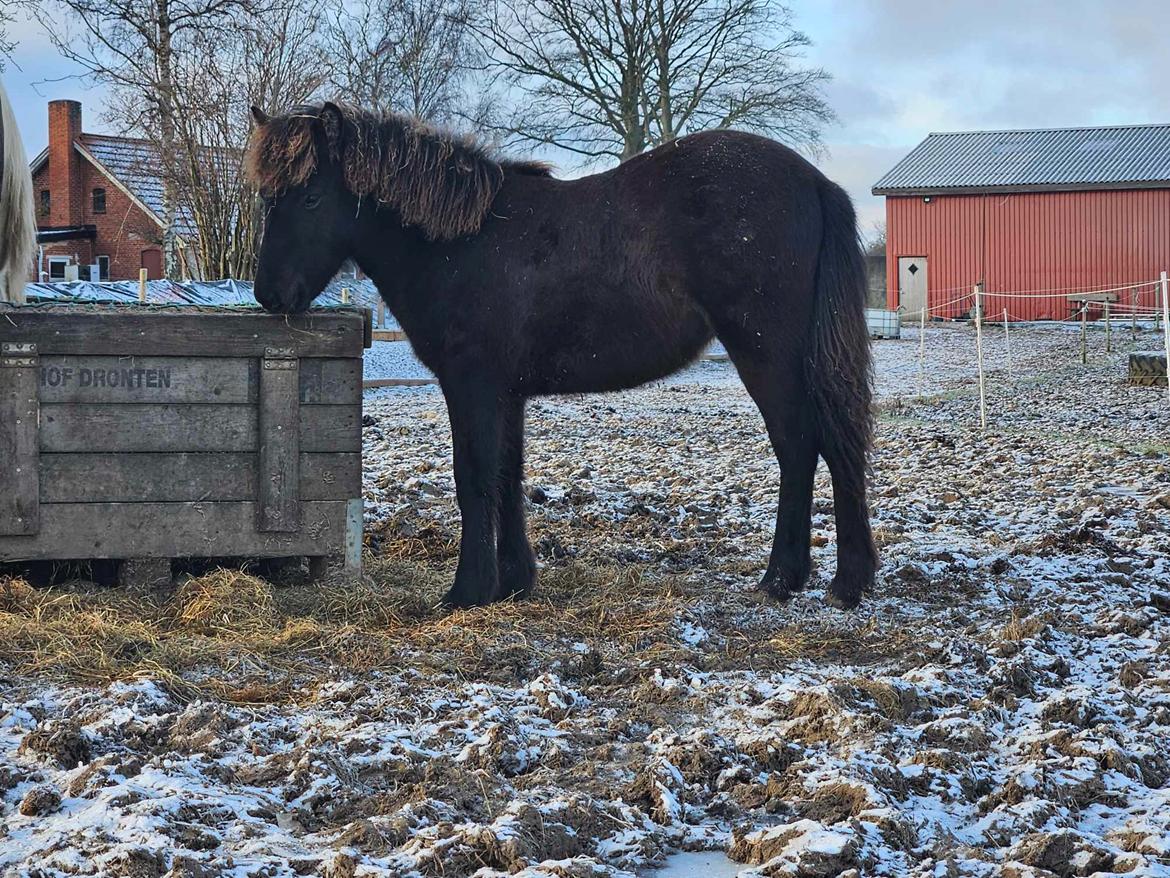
point(911, 284)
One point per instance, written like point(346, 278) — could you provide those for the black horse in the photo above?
point(510, 284)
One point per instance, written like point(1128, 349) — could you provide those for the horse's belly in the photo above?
point(596, 359)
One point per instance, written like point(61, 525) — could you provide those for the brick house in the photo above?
point(99, 202)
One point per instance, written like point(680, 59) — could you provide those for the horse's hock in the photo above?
point(137, 433)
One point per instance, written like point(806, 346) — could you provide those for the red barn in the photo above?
point(99, 201)
point(1035, 216)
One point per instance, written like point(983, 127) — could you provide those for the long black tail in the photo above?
point(840, 372)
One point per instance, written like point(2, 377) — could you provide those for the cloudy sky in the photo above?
point(901, 69)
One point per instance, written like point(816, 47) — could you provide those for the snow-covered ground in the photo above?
point(1000, 706)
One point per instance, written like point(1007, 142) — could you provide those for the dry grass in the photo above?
point(235, 636)
point(1024, 627)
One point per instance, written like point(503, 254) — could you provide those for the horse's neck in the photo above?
point(398, 260)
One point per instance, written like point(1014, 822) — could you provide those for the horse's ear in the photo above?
point(259, 115)
point(332, 120)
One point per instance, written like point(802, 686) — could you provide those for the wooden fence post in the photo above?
point(345, 295)
point(922, 353)
point(381, 313)
point(979, 355)
point(1108, 331)
point(1007, 343)
point(1166, 327)
point(1084, 331)
point(1133, 295)
point(142, 285)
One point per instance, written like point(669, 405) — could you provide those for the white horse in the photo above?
point(18, 227)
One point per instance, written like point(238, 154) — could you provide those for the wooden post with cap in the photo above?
point(979, 355)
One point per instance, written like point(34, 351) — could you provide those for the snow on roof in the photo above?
point(362, 293)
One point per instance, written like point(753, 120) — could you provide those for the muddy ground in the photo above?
point(1000, 706)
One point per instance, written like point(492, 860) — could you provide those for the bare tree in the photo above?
point(613, 77)
point(411, 56)
point(7, 44)
point(183, 73)
point(134, 46)
point(271, 61)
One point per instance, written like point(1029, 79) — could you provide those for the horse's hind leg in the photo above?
point(516, 562)
point(857, 559)
point(777, 385)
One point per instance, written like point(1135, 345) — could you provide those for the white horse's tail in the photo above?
point(18, 227)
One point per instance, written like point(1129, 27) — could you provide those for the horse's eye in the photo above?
point(312, 200)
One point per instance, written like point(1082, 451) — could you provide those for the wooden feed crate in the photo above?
point(132, 433)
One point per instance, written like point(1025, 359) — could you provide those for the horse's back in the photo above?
point(622, 277)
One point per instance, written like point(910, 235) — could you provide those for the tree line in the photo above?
point(595, 81)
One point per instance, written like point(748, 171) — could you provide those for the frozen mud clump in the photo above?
point(805, 848)
point(1066, 854)
point(57, 743)
point(40, 802)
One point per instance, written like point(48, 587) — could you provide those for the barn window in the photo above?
point(45, 202)
point(99, 200)
point(57, 267)
point(103, 267)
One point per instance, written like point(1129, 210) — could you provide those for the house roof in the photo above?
point(1049, 159)
point(132, 164)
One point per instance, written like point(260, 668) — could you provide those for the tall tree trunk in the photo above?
point(166, 113)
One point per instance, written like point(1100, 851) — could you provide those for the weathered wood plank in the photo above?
point(335, 428)
point(223, 380)
point(143, 332)
point(79, 427)
point(145, 427)
point(388, 335)
point(213, 380)
point(173, 530)
point(331, 382)
point(374, 383)
point(279, 479)
point(186, 477)
point(19, 492)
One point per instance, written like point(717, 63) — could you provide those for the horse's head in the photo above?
point(309, 215)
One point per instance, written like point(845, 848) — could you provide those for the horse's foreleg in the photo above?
point(516, 563)
point(476, 421)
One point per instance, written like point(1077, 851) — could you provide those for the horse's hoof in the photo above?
point(517, 579)
point(457, 599)
point(783, 585)
point(841, 597)
point(773, 587)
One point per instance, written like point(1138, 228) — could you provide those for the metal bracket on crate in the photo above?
point(280, 358)
point(18, 354)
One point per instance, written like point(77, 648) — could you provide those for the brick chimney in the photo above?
point(65, 204)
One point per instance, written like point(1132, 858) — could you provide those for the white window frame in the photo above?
point(63, 261)
point(103, 272)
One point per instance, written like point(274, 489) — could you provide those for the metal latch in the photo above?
point(18, 354)
point(280, 358)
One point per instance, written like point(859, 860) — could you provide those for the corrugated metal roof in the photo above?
point(1132, 156)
